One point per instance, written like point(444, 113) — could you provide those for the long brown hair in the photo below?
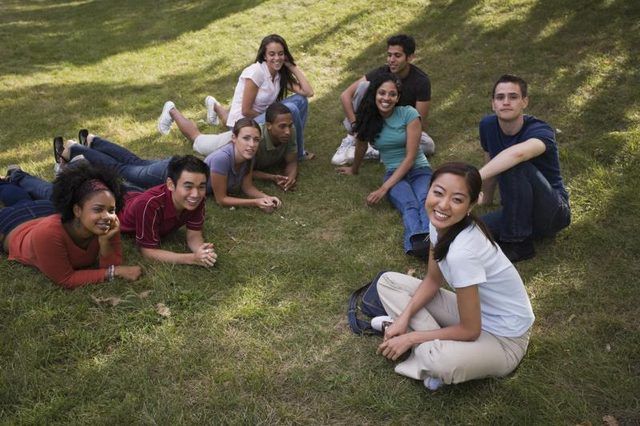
point(287, 79)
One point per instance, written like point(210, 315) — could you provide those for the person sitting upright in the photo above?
point(521, 155)
point(395, 132)
point(262, 83)
point(416, 92)
point(478, 328)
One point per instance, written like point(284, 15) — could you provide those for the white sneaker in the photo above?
point(212, 117)
point(345, 152)
point(381, 322)
point(371, 154)
point(165, 121)
point(427, 145)
point(433, 383)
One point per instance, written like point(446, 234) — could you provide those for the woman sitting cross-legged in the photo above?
point(395, 132)
point(74, 238)
point(480, 329)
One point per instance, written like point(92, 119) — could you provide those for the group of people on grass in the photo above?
point(70, 229)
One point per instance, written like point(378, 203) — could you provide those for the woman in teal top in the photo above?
point(395, 133)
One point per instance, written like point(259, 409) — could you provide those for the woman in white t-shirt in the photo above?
point(273, 75)
point(481, 328)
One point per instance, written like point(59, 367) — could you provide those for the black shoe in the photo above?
point(421, 254)
point(82, 136)
point(58, 148)
point(419, 246)
point(518, 250)
point(419, 239)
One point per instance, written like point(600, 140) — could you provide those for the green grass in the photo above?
point(262, 337)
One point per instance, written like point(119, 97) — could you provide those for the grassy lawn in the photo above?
point(262, 337)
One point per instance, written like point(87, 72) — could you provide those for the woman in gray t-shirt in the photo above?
point(231, 170)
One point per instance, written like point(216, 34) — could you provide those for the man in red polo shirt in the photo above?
point(158, 211)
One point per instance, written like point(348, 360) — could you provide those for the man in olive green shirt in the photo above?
point(277, 146)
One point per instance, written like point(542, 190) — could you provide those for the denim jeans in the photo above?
point(408, 197)
point(36, 188)
point(19, 207)
point(530, 206)
point(299, 107)
point(139, 172)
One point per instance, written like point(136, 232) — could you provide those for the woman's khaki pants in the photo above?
point(452, 361)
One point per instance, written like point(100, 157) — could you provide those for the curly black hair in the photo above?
point(69, 188)
point(287, 79)
point(369, 122)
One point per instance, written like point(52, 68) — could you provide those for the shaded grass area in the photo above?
point(262, 337)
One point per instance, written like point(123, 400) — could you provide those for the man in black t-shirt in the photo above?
point(416, 92)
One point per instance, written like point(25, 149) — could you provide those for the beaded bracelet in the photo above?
point(111, 272)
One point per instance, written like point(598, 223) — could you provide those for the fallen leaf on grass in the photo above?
point(607, 347)
point(163, 310)
point(610, 421)
point(113, 300)
point(144, 294)
point(571, 317)
point(411, 272)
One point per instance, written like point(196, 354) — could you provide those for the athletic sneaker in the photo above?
point(371, 154)
point(165, 121)
point(381, 322)
point(427, 145)
point(212, 117)
point(345, 151)
point(433, 383)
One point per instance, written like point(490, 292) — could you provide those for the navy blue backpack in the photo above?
point(365, 304)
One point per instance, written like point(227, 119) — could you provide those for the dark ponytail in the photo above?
point(474, 185)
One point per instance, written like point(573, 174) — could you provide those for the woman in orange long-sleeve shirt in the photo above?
point(74, 238)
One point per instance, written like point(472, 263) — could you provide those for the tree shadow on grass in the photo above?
point(565, 353)
point(563, 50)
point(35, 36)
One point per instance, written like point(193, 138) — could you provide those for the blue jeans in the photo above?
point(139, 172)
point(408, 197)
point(36, 188)
point(299, 107)
point(530, 206)
point(19, 207)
